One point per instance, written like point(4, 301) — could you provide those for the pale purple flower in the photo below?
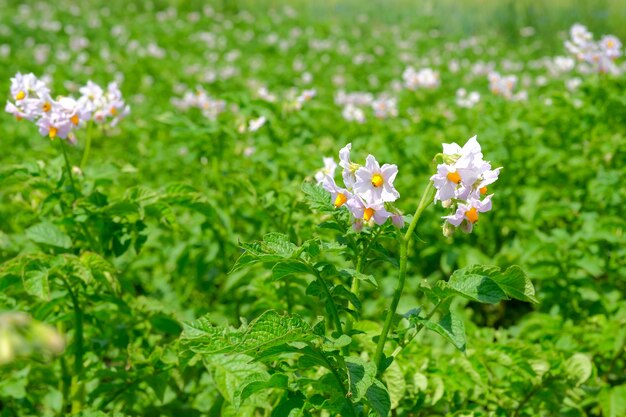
point(329, 169)
point(348, 167)
point(375, 212)
point(466, 215)
point(256, 124)
point(375, 183)
point(339, 196)
point(28, 86)
point(351, 113)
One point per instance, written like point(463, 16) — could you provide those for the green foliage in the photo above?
point(267, 331)
point(192, 267)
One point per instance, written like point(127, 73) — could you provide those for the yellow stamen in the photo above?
point(340, 200)
point(610, 44)
point(454, 177)
point(113, 111)
point(472, 215)
point(377, 180)
point(367, 214)
point(46, 107)
point(53, 132)
point(74, 119)
point(20, 95)
point(483, 190)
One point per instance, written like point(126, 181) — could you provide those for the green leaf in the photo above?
point(278, 243)
point(578, 368)
point(317, 198)
point(613, 401)
point(158, 383)
point(283, 269)
point(396, 384)
point(36, 283)
point(341, 292)
point(378, 398)
point(331, 344)
point(439, 389)
point(450, 326)
point(360, 276)
point(275, 381)
point(268, 330)
point(232, 373)
point(516, 284)
point(48, 234)
point(361, 376)
point(14, 384)
point(488, 284)
point(273, 248)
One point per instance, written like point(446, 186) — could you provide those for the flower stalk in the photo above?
point(405, 245)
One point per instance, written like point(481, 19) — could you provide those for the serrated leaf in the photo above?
point(47, 233)
point(278, 243)
point(273, 248)
point(268, 330)
point(317, 198)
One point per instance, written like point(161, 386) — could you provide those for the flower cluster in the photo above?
point(462, 182)
point(57, 118)
point(503, 86)
point(368, 191)
point(424, 78)
point(465, 99)
point(210, 107)
point(598, 55)
point(385, 107)
point(304, 97)
point(105, 106)
point(352, 113)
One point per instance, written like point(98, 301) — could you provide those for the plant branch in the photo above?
point(405, 244)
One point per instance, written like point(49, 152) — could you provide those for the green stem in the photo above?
point(87, 150)
point(355, 286)
point(77, 388)
point(405, 243)
point(68, 168)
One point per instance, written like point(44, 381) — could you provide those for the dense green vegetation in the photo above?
point(191, 266)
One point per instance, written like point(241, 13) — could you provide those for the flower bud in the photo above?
point(448, 229)
point(398, 220)
point(357, 226)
